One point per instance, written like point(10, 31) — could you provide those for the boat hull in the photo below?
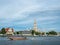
point(17, 38)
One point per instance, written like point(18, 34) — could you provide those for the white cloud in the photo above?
point(20, 10)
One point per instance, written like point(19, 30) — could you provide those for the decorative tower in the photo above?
point(35, 26)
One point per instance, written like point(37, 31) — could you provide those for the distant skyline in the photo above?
point(20, 14)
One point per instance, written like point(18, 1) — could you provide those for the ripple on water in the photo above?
point(31, 41)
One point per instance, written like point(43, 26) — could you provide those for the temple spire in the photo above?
point(35, 25)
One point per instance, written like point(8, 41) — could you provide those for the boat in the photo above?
point(17, 38)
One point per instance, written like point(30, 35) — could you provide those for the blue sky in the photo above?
point(20, 14)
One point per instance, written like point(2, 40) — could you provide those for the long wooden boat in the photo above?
point(17, 38)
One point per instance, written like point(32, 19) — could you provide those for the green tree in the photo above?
point(37, 33)
point(0, 32)
point(53, 33)
point(47, 33)
point(3, 31)
point(32, 32)
point(17, 32)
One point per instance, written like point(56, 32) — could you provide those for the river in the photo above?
point(31, 41)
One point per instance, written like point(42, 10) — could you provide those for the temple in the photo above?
point(35, 26)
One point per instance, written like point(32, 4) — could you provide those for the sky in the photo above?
point(20, 14)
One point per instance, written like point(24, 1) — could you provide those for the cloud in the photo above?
point(15, 13)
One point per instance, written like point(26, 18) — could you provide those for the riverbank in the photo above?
point(29, 36)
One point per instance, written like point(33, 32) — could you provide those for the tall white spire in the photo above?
point(35, 25)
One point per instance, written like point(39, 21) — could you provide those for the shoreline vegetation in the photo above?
point(29, 36)
point(29, 33)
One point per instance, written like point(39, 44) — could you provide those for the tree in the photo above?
point(47, 33)
point(33, 32)
point(3, 31)
point(0, 32)
point(37, 33)
point(17, 32)
point(53, 33)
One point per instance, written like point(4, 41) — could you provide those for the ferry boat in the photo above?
point(17, 38)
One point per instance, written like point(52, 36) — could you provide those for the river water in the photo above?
point(31, 41)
